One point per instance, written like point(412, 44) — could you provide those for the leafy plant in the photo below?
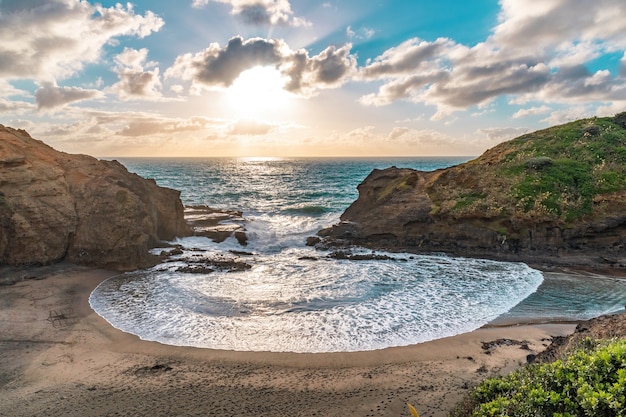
point(587, 383)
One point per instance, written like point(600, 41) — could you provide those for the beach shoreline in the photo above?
point(58, 357)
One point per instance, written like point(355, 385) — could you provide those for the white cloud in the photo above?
point(537, 53)
point(67, 34)
point(533, 111)
point(361, 33)
point(218, 68)
point(135, 80)
point(261, 12)
point(50, 96)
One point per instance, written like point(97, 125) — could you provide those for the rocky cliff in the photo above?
point(56, 206)
point(552, 197)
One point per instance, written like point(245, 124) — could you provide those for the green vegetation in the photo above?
point(553, 175)
point(590, 382)
point(586, 158)
point(403, 183)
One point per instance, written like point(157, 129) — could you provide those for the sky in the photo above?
point(305, 78)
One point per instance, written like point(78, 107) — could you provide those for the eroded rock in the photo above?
point(57, 206)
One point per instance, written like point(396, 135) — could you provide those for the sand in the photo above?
point(59, 358)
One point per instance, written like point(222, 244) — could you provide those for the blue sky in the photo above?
point(305, 78)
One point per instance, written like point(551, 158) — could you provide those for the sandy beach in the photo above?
point(59, 358)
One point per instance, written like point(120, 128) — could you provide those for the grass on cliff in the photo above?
point(556, 174)
point(590, 382)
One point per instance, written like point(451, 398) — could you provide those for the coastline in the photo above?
point(58, 357)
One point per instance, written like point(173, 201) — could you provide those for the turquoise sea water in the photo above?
point(296, 299)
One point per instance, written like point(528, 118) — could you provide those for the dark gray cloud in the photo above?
point(50, 96)
point(220, 67)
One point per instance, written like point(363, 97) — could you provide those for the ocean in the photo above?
point(295, 298)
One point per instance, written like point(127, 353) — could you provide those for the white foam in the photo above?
point(287, 304)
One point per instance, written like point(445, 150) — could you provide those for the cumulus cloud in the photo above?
point(135, 80)
point(261, 12)
point(67, 34)
point(538, 51)
point(50, 96)
point(218, 67)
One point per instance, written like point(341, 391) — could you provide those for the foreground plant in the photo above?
point(590, 382)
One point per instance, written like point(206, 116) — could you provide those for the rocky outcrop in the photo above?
point(554, 197)
point(56, 206)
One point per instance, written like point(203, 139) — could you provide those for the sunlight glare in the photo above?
point(258, 92)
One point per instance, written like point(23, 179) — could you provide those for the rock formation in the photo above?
point(553, 197)
point(56, 206)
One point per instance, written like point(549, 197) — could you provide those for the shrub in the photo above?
point(538, 162)
point(587, 383)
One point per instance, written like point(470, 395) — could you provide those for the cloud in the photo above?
point(151, 125)
point(14, 106)
point(361, 33)
point(411, 55)
point(533, 111)
point(67, 34)
point(397, 132)
point(499, 134)
point(50, 96)
point(261, 12)
point(217, 67)
point(251, 128)
point(538, 52)
point(135, 80)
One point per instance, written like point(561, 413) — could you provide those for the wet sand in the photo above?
point(59, 358)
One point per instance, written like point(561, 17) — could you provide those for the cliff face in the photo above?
point(56, 206)
point(556, 196)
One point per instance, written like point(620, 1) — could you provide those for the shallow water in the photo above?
point(289, 302)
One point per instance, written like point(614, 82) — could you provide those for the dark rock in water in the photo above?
point(241, 237)
point(211, 265)
point(56, 206)
point(216, 224)
point(312, 240)
point(542, 198)
point(362, 256)
point(241, 253)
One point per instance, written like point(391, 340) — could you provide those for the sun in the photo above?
point(258, 92)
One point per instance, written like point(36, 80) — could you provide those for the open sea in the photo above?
point(296, 299)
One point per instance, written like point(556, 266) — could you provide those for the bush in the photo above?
point(538, 162)
point(587, 383)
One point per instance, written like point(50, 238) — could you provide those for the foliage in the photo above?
point(403, 183)
point(590, 382)
point(552, 175)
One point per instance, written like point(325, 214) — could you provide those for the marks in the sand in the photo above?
point(63, 317)
point(488, 347)
point(157, 369)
